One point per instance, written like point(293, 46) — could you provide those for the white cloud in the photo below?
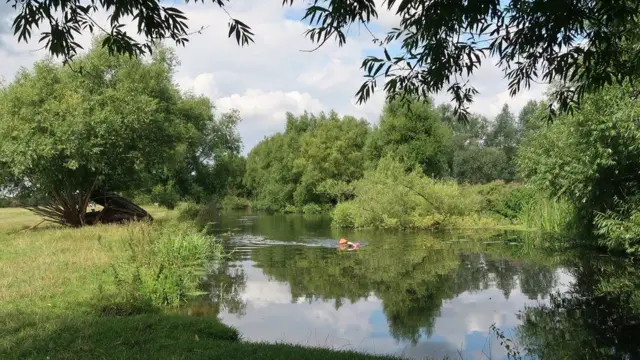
point(272, 76)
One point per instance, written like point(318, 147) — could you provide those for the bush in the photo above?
point(290, 209)
point(231, 202)
point(620, 229)
point(200, 214)
point(344, 215)
point(189, 211)
point(506, 200)
point(388, 197)
point(162, 267)
point(165, 195)
point(312, 208)
point(142, 199)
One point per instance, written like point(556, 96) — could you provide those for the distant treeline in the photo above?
point(318, 157)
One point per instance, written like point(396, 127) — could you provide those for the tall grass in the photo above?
point(162, 267)
point(546, 214)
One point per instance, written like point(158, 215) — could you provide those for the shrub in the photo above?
point(200, 214)
point(290, 209)
point(231, 202)
point(344, 215)
point(620, 229)
point(312, 208)
point(142, 199)
point(162, 267)
point(189, 211)
point(388, 197)
point(165, 195)
point(506, 200)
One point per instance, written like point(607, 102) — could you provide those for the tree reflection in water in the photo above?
point(597, 318)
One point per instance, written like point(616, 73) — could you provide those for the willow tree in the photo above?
point(68, 136)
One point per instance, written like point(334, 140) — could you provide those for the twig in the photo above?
point(30, 228)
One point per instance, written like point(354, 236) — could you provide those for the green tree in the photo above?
point(330, 156)
point(210, 163)
point(504, 136)
point(530, 118)
point(473, 161)
point(313, 161)
point(479, 164)
point(591, 44)
point(415, 135)
point(591, 158)
point(120, 125)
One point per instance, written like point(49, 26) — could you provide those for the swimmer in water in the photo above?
point(344, 244)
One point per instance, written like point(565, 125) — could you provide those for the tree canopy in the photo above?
point(121, 125)
point(582, 44)
point(313, 161)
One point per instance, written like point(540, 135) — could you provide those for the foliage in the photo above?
point(231, 202)
point(483, 150)
point(415, 135)
point(480, 164)
point(546, 214)
point(504, 136)
point(189, 211)
point(389, 197)
point(311, 208)
point(506, 200)
point(162, 267)
point(336, 190)
point(313, 161)
point(591, 159)
point(165, 195)
point(440, 43)
point(290, 209)
point(120, 125)
point(620, 229)
point(63, 131)
point(530, 118)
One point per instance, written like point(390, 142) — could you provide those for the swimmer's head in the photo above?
point(342, 241)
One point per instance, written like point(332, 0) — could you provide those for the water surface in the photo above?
point(419, 294)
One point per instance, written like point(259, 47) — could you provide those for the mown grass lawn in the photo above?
point(49, 278)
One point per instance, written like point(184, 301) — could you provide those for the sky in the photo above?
point(273, 76)
point(462, 323)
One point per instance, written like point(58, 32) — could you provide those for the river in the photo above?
point(419, 294)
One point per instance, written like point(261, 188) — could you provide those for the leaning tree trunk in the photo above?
point(70, 209)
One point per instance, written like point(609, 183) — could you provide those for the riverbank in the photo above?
point(73, 293)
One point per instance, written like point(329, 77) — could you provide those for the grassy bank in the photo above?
point(108, 292)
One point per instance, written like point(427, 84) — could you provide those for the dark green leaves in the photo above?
point(242, 32)
point(582, 44)
point(153, 22)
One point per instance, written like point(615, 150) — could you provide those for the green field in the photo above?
point(50, 307)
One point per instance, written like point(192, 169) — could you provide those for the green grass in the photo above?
point(546, 214)
point(52, 298)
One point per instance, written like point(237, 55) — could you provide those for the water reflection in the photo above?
point(598, 317)
point(418, 295)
